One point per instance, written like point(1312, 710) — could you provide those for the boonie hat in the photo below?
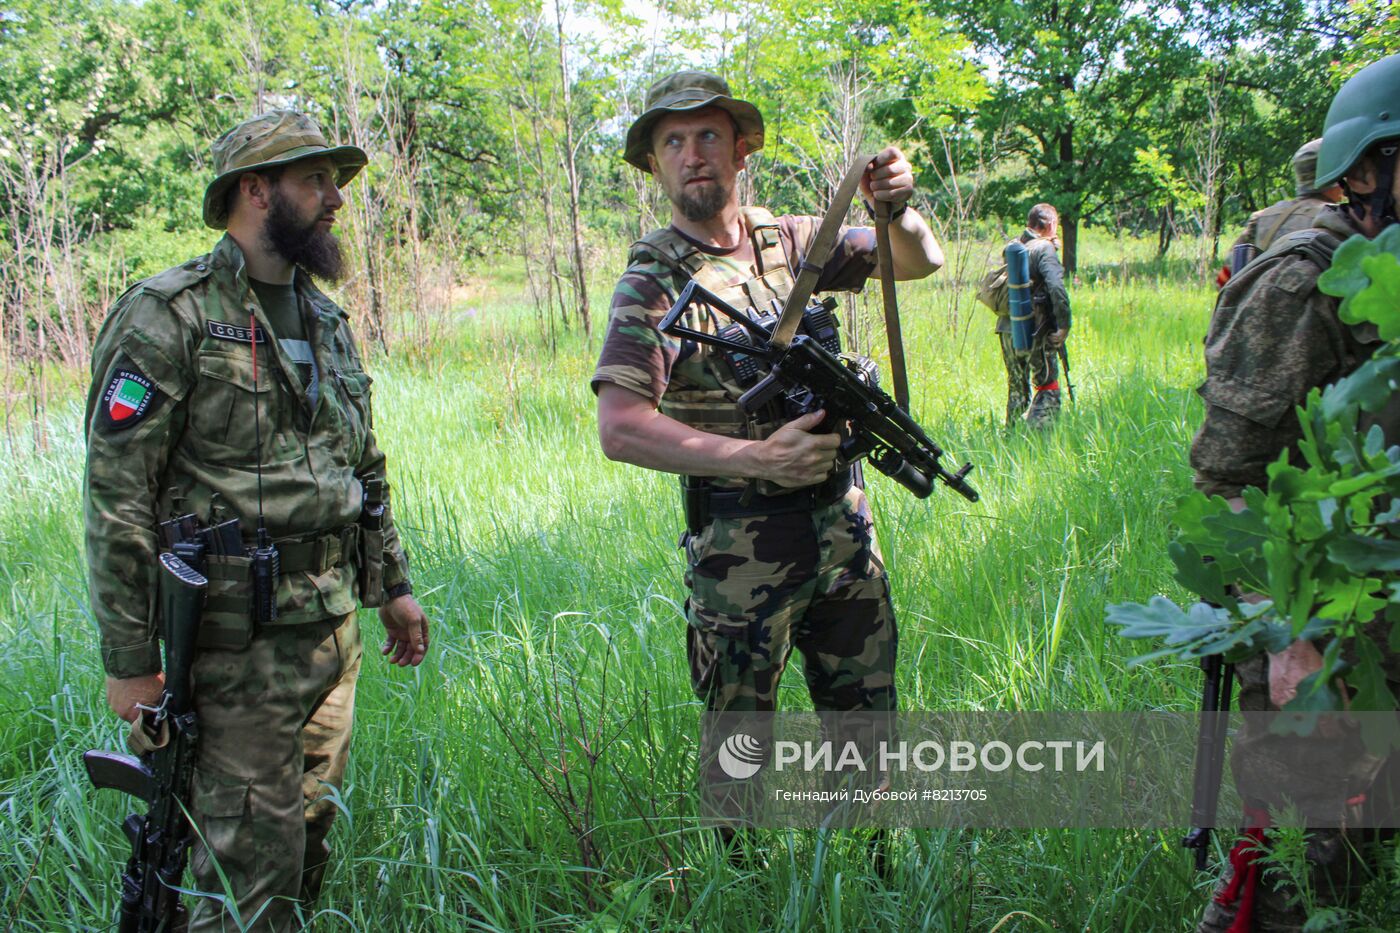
point(689, 90)
point(278, 137)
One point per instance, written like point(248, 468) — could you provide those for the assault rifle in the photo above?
point(1064, 361)
point(804, 377)
point(160, 839)
point(1217, 685)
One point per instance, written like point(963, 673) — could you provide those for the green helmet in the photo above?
point(1365, 110)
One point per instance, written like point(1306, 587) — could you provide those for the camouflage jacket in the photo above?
point(689, 381)
point(1273, 338)
point(170, 428)
point(1273, 223)
point(1048, 293)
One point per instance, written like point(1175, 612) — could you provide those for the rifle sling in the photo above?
point(891, 302)
point(817, 255)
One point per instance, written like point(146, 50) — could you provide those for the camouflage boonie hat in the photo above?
point(689, 90)
point(275, 138)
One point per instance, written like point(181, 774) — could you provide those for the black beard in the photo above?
point(314, 251)
point(704, 205)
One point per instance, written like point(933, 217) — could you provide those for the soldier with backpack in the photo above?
point(1273, 338)
point(1278, 220)
point(1034, 368)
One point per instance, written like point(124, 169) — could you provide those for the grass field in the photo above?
point(553, 582)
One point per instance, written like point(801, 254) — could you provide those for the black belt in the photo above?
point(732, 503)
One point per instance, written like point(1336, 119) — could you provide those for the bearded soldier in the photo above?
point(230, 387)
point(781, 550)
point(1273, 338)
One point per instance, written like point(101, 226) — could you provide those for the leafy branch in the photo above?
point(1321, 544)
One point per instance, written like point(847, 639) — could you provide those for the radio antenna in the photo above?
point(267, 564)
point(257, 422)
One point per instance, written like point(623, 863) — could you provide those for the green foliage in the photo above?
point(543, 565)
point(1323, 541)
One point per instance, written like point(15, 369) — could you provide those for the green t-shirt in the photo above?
point(283, 310)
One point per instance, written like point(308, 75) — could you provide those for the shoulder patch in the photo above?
point(236, 333)
point(128, 399)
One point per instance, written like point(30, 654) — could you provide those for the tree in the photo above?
point(1076, 82)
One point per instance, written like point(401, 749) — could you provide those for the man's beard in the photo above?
point(701, 205)
point(299, 242)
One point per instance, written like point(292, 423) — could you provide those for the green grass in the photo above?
point(553, 582)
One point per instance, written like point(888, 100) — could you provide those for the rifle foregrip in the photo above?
point(182, 591)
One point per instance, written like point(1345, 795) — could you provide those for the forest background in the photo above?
point(495, 129)
point(537, 772)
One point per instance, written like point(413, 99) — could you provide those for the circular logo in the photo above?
point(741, 756)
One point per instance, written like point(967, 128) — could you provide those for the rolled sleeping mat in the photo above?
point(1018, 282)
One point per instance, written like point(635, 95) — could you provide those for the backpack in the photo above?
point(993, 292)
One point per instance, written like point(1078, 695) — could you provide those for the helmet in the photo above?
point(1365, 110)
point(1305, 167)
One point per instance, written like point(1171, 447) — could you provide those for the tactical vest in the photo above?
point(1274, 224)
point(703, 391)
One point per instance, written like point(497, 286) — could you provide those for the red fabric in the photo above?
point(1222, 277)
point(1244, 885)
point(1049, 387)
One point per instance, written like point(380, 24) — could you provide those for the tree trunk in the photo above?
point(571, 168)
point(1069, 219)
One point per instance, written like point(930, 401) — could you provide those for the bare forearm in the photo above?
point(634, 432)
point(914, 247)
point(657, 442)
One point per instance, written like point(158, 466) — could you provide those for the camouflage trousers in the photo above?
point(1339, 862)
point(274, 724)
point(761, 586)
point(1034, 369)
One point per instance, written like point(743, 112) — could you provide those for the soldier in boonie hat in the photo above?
point(690, 90)
point(266, 141)
point(765, 499)
point(209, 378)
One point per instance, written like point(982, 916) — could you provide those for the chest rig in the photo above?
point(704, 389)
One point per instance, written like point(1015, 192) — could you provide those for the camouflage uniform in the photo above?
point(1273, 338)
point(1273, 223)
point(172, 421)
point(808, 576)
point(1037, 367)
point(1278, 220)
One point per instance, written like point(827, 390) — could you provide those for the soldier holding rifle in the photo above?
point(780, 548)
point(229, 423)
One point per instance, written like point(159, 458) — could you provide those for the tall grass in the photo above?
point(536, 772)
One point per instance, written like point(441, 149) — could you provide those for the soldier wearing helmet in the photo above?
point(1273, 338)
point(1278, 220)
